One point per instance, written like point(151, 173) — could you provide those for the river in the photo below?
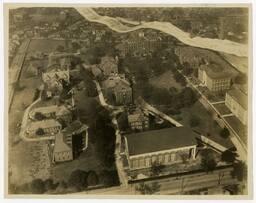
point(116, 24)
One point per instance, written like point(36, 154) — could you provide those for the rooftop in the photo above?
point(159, 140)
point(74, 127)
point(60, 145)
point(216, 71)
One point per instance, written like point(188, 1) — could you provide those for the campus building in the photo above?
point(215, 77)
point(70, 142)
point(117, 89)
point(165, 146)
point(109, 65)
point(138, 120)
point(236, 101)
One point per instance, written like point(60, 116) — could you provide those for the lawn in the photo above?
point(206, 125)
point(45, 45)
point(26, 160)
point(88, 160)
point(165, 80)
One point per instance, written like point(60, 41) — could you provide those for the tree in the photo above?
point(92, 178)
point(37, 186)
point(40, 131)
point(123, 121)
point(224, 133)
point(39, 116)
point(60, 48)
point(228, 156)
point(188, 96)
point(147, 189)
point(49, 185)
point(78, 180)
point(208, 162)
point(156, 168)
point(194, 121)
point(240, 171)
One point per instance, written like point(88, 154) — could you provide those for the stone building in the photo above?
point(215, 77)
point(109, 65)
point(165, 146)
point(70, 142)
point(138, 120)
point(118, 89)
point(236, 100)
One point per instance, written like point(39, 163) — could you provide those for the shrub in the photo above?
point(224, 133)
point(228, 156)
point(40, 131)
point(37, 186)
point(92, 178)
point(194, 121)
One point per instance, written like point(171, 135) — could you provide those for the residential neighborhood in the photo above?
point(106, 102)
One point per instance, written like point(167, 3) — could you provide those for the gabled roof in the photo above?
point(159, 140)
point(60, 144)
point(216, 71)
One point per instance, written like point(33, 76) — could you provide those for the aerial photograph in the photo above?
point(128, 101)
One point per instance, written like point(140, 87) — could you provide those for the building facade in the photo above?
point(138, 120)
point(215, 78)
point(118, 89)
point(236, 101)
point(166, 146)
point(109, 66)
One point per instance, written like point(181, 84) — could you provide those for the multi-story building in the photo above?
point(109, 65)
point(70, 142)
point(138, 120)
point(236, 101)
point(215, 77)
point(166, 146)
point(118, 89)
point(49, 126)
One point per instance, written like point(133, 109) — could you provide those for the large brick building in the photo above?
point(215, 77)
point(166, 146)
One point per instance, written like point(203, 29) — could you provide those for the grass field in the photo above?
point(45, 45)
point(165, 80)
point(206, 125)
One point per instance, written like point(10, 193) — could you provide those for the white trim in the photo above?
point(161, 152)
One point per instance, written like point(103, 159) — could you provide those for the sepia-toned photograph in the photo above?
point(129, 101)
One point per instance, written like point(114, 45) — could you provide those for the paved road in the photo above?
point(116, 24)
point(15, 69)
point(176, 185)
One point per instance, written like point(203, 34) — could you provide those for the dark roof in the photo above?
point(158, 140)
point(216, 71)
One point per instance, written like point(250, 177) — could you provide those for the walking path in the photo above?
point(117, 25)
